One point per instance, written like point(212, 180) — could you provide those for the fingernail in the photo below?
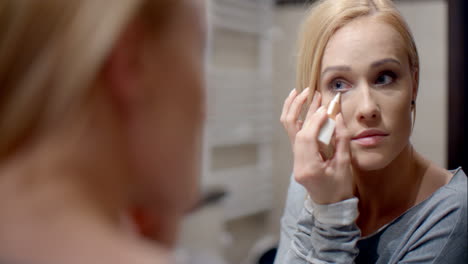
point(293, 90)
point(321, 109)
point(306, 90)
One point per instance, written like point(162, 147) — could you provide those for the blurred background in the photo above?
point(247, 158)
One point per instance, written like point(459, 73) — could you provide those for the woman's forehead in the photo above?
point(363, 41)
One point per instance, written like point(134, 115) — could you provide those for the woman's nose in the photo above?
point(368, 111)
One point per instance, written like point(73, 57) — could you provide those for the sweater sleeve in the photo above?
point(293, 208)
point(318, 233)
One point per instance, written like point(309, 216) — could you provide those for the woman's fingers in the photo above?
point(287, 104)
point(299, 125)
point(312, 126)
point(291, 111)
point(296, 106)
point(314, 105)
point(342, 143)
point(327, 181)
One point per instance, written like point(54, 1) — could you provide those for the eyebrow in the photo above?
point(383, 61)
point(348, 68)
point(336, 68)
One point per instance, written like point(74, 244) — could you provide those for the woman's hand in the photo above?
point(290, 115)
point(327, 181)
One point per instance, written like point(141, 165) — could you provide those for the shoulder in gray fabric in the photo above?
point(434, 231)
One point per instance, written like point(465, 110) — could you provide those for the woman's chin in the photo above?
point(370, 161)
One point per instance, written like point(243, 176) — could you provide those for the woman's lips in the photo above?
point(370, 137)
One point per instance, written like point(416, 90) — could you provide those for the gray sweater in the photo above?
point(434, 231)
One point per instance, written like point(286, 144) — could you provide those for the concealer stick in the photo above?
point(327, 130)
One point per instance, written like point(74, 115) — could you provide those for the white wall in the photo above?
point(428, 21)
point(287, 21)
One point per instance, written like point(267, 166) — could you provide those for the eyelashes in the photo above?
point(339, 85)
point(383, 79)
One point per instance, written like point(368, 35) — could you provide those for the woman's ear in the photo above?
point(123, 71)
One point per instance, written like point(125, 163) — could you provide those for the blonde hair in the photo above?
point(326, 17)
point(50, 52)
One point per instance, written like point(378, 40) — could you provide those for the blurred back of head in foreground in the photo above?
point(101, 110)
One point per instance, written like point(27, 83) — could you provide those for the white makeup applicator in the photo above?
point(327, 130)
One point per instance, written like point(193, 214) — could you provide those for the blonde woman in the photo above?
point(101, 106)
point(376, 200)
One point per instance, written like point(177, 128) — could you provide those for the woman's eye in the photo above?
point(339, 85)
point(385, 79)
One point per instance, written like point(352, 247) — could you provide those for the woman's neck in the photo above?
point(386, 193)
